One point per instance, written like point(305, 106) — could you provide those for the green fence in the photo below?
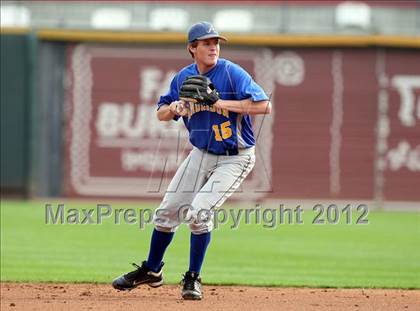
point(17, 68)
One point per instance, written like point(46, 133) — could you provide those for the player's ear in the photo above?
point(191, 48)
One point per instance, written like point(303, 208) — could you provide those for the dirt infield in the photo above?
point(24, 296)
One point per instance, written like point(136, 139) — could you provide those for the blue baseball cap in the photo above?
point(203, 30)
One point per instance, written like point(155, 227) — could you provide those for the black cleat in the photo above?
point(191, 286)
point(142, 275)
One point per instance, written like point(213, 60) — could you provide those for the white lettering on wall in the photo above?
point(406, 85)
point(127, 126)
point(153, 83)
point(130, 121)
point(132, 160)
point(127, 120)
point(404, 156)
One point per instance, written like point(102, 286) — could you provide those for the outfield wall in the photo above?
point(345, 123)
point(320, 142)
point(17, 93)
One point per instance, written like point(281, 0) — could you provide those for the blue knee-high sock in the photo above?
point(198, 247)
point(158, 244)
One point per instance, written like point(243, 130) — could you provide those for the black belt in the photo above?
point(228, 152)
point(232, 152)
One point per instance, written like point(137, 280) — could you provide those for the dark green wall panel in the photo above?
point(15, 109)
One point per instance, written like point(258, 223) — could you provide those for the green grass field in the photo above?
point(384, 253)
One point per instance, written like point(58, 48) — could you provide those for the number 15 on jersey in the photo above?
point(222, 131)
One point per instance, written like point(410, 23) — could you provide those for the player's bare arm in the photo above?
point(165, 113)
point(245, 106)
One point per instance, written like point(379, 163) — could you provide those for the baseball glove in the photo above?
point(199, 89)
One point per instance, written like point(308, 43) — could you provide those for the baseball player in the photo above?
point(215, 98)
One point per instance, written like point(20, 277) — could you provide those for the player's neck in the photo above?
point(202, 68)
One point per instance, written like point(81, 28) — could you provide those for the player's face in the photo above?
point(207, 52)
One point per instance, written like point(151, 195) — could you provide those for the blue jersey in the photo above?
point(219, 131)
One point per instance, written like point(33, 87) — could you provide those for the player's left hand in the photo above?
point(199, 89)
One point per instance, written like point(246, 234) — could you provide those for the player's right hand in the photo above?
point(179, 108)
